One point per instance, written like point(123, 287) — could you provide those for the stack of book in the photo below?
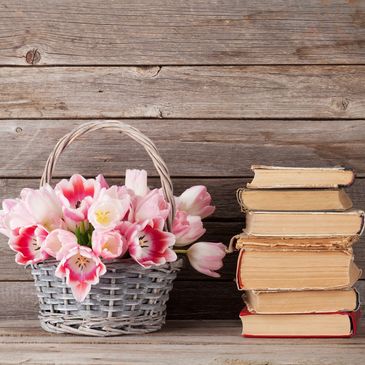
point(296, 263)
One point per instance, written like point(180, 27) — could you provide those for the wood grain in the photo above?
point(90, 32)
point(183, 92)
point(179, 342)
point(184, 332)
point(215, 148)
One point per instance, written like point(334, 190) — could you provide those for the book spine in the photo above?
point(239, 281)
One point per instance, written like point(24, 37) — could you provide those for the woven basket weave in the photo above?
point(129, 299)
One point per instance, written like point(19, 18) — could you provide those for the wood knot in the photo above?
point(341, 103)
point(18, 130)
point(33, 56)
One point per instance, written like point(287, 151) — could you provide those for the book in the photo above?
point(243, 240)
point(294, 200)
point(339, 324)
point(264, 223)
point(295, 269)
point(273, 177)
point(306, 301)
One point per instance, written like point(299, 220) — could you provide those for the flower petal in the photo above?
point(59, 242)
point(28, 245)
point(152, 247)
point(81, 268)
point(136, 180)
point(80, 290)
point(109, 244)
point(196, 201)
point(187, 228)
point(206, 257)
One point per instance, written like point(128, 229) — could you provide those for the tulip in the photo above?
point(35, 207)
point(187, 228)
point(152, 206)
point(109, 245)
point(207, 257)
point(81, 268)
point(108, 209)
point(148, 245)
point(9, 213)
point(136, 180)
point(44, 206)
point(77, 194)
point(100, 179)
point(59, 242)
point(28, 245)
point(196, 201)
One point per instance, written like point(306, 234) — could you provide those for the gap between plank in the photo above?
point(189, 65)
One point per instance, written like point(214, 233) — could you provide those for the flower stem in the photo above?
point(82, 227)
point(181, 251)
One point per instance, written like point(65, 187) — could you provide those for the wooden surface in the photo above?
point(218, 85)
point(179, 342)
point(183, 92)
point(216, 148)
point(159, 32)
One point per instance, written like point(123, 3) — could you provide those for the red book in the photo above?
point(316, 325)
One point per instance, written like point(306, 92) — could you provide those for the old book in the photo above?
point(306, 301)
point(339, 324)
point(295, 270)
point(264, 223)
point(243, 240)
point(273, 177)
point(297, 200)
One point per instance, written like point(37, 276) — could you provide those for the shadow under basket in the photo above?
point(129, 299)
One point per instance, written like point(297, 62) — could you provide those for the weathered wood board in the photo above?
point(183, 92)
point(45, 32)
point(216, 148)
point(180, 342)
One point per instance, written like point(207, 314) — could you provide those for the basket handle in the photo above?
point(135, 134)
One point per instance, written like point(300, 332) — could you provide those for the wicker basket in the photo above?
point(128, 299)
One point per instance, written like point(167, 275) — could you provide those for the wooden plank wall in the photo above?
point(218, 85)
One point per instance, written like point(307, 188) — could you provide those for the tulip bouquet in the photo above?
point(82, 223)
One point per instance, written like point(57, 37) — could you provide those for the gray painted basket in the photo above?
point(129, 299)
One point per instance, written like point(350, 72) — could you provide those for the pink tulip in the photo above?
point(150, 207)
point(109, 245)
point(44, 205)
point(59, 242)
point(195, 201)
point(28, 245)
point(35, 207)
point(148, 245)
point(100, 179)
point(40, 207)
point(76, 195)
point(207, 257)
point(81, 268)
point(16, 215)
point(109, 209)
point(7, 217)
point(187, 228)
point(136, 180)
